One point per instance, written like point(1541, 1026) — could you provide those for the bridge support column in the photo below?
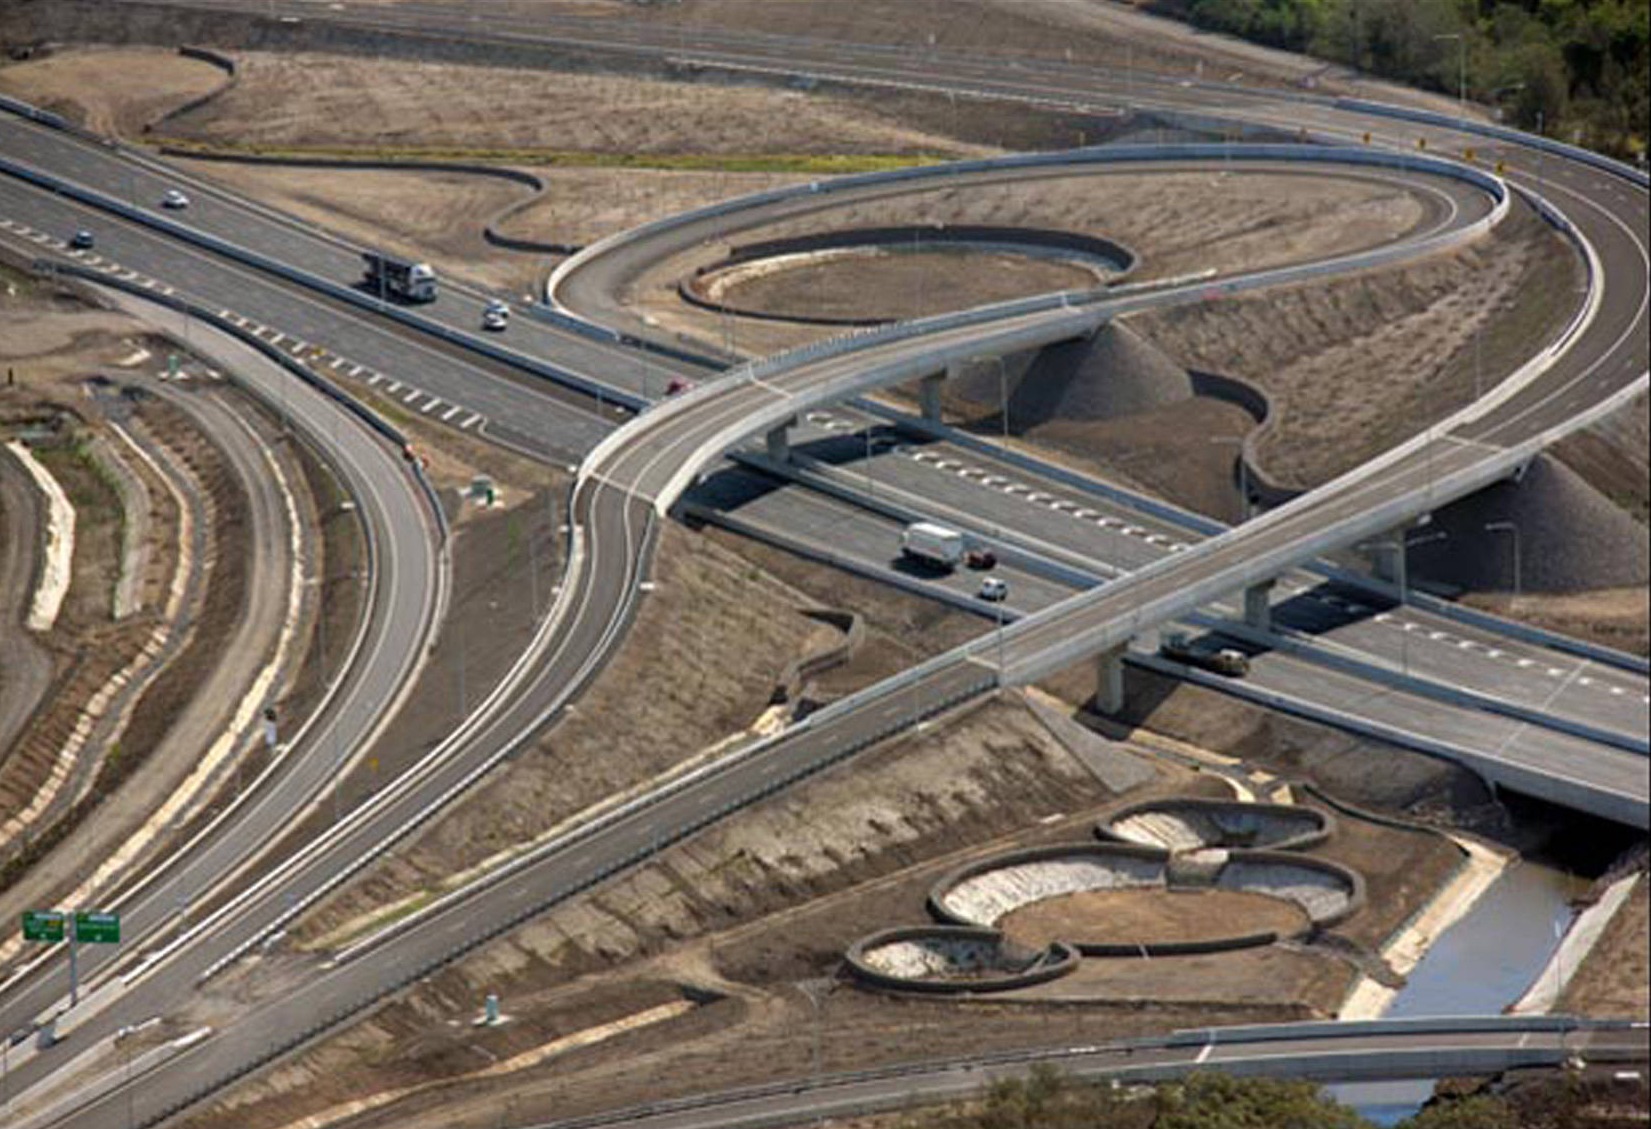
point(1258, 608)
point(779, 441)
point(1109, 678)
point(928, 395)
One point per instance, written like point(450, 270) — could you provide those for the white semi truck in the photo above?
point(402, 279)
point(932, 545)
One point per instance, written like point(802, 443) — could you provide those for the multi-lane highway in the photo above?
point(642, 469)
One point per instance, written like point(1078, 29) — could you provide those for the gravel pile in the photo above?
point(1112, 374)
point(1571, 537)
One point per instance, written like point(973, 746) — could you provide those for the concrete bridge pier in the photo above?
point(928, 395)
point(779, 441)
point(1258, 605)
point(1109, 678)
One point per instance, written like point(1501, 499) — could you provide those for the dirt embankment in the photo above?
point(1177, 223)
point(1354, 366)
point(111, 90)
point(371, 105)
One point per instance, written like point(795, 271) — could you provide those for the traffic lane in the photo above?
point(592, 289)
point(1504, 740)
point(1106, 616)
point(849, 533)
point(559, 425)
point(404, 590)
point(846, 532)
point(243, 653)
point(1403, 640)
point(268, 1028)
point(217, 211)
point(1616, 349)
point(1085, 531)
point(1326, 1058)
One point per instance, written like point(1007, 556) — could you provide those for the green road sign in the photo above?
point(42, 925)
point(97, 928)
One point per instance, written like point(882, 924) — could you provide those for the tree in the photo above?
point(1219, 1101)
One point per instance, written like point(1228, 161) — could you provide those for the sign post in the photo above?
point(92, 927)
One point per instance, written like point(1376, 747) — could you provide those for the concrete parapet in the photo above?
point(954, 959)
point(1188, 824)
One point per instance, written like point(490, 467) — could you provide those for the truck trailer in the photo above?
point(932, 545)
point(391, 277)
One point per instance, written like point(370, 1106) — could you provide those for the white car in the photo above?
point(174, 199)
point(498, 306)
point(994, 589)
point(494, 320)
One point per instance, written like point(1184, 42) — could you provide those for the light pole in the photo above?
point(1461, 71)
point(808, 988)
point(1400, 548)
point(1510, 528)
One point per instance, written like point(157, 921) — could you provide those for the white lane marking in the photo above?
point(393, 387)
point(356, 370)
point(1555, 672)
point(474, 419)
point(374, 379)
point(431, 406)
point(412, 394)
point(1527, 663)
point(451, 412)
point(336, 362)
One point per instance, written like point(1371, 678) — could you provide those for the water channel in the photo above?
point(1479, 966)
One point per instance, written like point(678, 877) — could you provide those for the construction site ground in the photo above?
point(712, 939)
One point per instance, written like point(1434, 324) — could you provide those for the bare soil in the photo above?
point(1614, 456)
point(1611, 617)
point(114, 90)
point(1354, 366)
point(1148, 916)
point(283, 100)
point(1615, 981)
point(741, 915)
point(919, 282)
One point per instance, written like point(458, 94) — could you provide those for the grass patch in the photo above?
point(814, 164)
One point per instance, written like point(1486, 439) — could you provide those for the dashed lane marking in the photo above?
point(451, 412)
point(472, 421)
point(431, 406)
point(374, 379)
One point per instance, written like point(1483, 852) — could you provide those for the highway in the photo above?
point(640, 471)
point(1317, 623)
point(1378, 1051)
point(406, 577)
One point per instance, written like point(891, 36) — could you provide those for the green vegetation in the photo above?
point(1575, 69)
point(1047, 1099)
point(806, 164)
